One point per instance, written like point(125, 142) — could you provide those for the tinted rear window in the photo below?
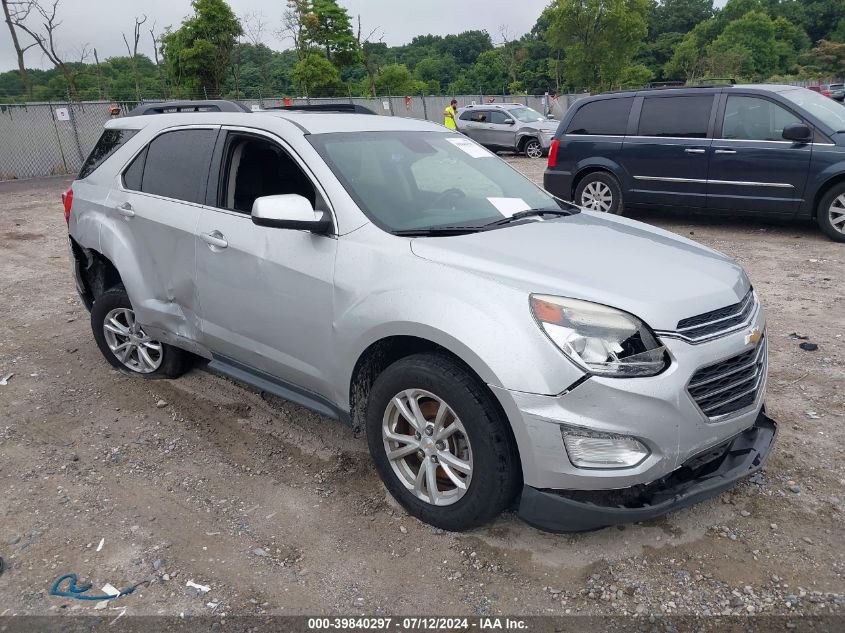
point(607, 117)
point(681, 117)
point(108, 144)
point(177, 164)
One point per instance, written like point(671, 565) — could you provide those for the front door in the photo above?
point(501, 130)
point(474, 125)
point(752, 167)
point(266, 294)
point(666, 160)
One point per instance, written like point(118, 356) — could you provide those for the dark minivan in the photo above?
point(770, 150)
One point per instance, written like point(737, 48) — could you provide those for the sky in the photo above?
point(99, 23)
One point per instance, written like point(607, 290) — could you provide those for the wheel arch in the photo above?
point(583, 171)
point(96, 272)
point(384, 352)
point(823, 189)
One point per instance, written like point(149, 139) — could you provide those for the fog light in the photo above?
point(599, 450)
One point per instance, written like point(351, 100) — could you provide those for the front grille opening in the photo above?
point(717, 321)
point(730, 385)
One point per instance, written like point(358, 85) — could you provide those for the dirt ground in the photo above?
point(279, 511)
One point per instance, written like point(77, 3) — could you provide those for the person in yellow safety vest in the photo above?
point(449, 115)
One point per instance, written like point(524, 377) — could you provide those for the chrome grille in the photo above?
point(731, 385)
point(718, 321)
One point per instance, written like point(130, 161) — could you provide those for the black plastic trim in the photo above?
point(287, 391)
point(554, 512)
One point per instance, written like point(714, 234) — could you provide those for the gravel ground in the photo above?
point(279, 511)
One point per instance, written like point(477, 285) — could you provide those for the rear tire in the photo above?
point(599, 191)
point(124, 343)
point(830, 214)
point(439, 393)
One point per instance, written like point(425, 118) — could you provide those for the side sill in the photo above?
point(265, 382)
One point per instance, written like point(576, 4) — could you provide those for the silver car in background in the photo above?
point(497, 345)
point(510, 127)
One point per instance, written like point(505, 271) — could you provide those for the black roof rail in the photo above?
point(348, 108)
point(665, 84)
point(170, 107)
point(718, 81)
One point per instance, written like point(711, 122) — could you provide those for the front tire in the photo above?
point(533, 148)
point(599, 191)
point(441, 446)
point(124, 343)
point(830, 214)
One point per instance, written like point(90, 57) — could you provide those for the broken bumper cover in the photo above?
point(698, 479)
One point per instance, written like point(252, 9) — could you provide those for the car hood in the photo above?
point(548, 126)
point(653, 274)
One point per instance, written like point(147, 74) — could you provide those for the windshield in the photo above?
point(419, 180)
point(825, 109)
point(526, 115)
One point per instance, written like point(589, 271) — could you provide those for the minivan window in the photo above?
point(109, 143)
point(828, 111)
point(679, 117)
point(755, 119)
point(177, 164)
point(606, 117)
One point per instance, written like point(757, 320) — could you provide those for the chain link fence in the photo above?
point(46, 139)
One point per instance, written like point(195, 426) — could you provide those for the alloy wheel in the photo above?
point(128, 342)
point(427, 447)
point(836, 213)
point(597, 196)
point(533, 149)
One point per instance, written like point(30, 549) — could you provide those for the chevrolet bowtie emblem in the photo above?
point(753, 336)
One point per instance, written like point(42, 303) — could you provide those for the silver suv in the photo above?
point(510, 127)
point(498, 345)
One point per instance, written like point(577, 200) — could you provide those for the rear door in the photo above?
point(666, 159)
point(752, 167)
point(155, 209)
point(473, 124)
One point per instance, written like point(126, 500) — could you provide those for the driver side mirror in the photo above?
point(797, 132)
point(508, 121)
point(289, 211)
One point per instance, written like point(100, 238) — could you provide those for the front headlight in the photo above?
point(600, 339)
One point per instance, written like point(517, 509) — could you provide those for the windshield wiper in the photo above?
point(530, 213)
point(438, 230)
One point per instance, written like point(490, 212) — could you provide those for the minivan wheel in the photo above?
point(831, 213)
point(599, 191)
point(124, 343)
point(440, 445)
point(533, 148)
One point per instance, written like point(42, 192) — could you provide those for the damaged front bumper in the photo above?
point(699, 478)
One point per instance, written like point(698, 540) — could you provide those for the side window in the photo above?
point(605, 117)
point(110, 141)
point(754, 119)
point(477, 116)
point(135, 172)
point(499, 117)
point(254, 167)
point(680, 117)
point(177, 164)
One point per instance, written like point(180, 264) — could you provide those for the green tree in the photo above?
point(331, 30)
point(598, 37)
point(316, 76)
point(487, 75)
point(396, 80)
point(198, 55)
point(678, 16)
point(826, 60)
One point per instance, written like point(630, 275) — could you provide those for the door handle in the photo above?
point(724, 151)
point(694, 150)
point(125, 210)
point(214, 239)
